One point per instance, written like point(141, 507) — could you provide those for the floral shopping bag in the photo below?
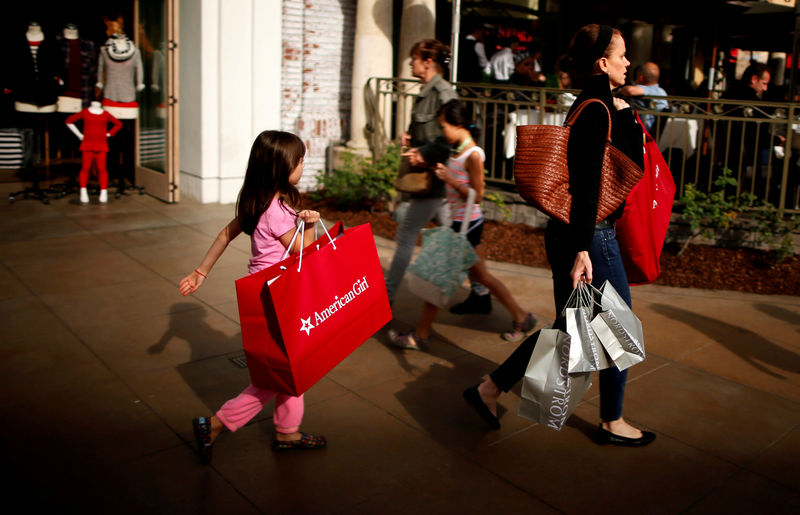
point(442, 264)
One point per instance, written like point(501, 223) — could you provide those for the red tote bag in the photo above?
point(304, 315)
point(643, 226)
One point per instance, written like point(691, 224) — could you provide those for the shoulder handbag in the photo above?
point(643, 226)
point(413, 179)
point(542, 175)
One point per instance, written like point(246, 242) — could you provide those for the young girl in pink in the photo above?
point(263, 212)
point(464, 171)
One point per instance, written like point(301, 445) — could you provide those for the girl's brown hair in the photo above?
point(273, 158)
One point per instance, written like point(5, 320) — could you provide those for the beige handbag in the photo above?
point(413, 179)
point(542, 176)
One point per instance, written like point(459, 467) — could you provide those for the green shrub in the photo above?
point(776, 230)
point(712, 214)
point(496, 198)
point(360, 183)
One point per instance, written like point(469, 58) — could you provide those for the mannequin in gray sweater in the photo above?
point(120, 76)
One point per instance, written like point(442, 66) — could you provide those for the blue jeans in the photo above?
point(419, 213)
point(606, 265)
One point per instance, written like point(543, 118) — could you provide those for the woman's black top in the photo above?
point(585, 156)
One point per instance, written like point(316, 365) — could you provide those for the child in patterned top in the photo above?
point(464, 170)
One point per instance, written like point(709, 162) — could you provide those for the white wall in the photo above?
point(190, 96)
point(229, 90)
point(252, 65)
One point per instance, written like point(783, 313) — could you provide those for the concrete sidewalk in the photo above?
point(104, 365)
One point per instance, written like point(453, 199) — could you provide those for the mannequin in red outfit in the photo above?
point(94, 145)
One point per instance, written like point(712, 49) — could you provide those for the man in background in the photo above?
point(753, 84)
point(473, 65)
point(504, 63)
point(646, 84)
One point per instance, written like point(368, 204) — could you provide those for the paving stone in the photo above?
point(103, 365)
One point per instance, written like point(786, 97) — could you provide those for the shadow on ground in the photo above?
point(748, 345)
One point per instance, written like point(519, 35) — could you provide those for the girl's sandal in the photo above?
point(307, 441)
point(520, 329)
point(407, 340)
point(202, 436)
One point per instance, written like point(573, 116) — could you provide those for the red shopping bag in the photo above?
point(643, 226)
point(304, 315)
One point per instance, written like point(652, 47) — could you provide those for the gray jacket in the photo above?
point(432, 96)
point(426, 134)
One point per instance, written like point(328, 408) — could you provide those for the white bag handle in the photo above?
point(470, 207)
point(299, 230)
point(581, 297)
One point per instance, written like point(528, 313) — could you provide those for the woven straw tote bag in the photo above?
point(542, 176)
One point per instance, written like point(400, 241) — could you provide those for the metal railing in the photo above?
point(758, 141)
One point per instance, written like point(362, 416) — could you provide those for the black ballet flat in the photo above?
point(473, 398)
point(607, 437)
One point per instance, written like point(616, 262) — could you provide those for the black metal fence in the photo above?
point(758, 141)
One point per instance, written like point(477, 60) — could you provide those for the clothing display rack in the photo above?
point(35, 143)
point(122, 151)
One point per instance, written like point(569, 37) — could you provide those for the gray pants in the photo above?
point(419, 213)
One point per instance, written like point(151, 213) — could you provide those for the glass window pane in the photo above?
point(153, 106)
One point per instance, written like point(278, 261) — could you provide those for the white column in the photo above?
point(235, 87)
point(372, 57)
point(193, 150)
point(230, 90)
point(418, 22)
point(249, 79)
point(267, 60)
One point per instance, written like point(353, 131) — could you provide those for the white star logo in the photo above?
point(307, 325)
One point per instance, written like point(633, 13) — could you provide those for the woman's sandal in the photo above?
point(307, 441)
point(202, 435)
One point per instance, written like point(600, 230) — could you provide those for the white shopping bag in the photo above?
point(618, 329)
point(549, 392)
point(586, 353)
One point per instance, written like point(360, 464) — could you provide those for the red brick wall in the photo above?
point(316, 75)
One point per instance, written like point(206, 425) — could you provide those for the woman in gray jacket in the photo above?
point(429, 60)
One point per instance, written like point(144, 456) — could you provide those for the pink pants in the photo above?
point(241, 409)
point(86, 166)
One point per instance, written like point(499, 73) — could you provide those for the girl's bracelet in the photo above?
point(201, 273)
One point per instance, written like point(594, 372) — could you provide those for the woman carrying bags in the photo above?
point(584, 250)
